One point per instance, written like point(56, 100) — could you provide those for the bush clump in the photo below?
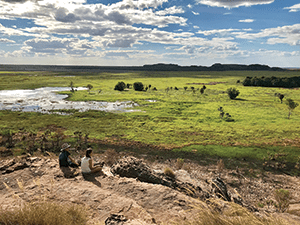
point(120, 86)
point(283, 198)
point(233, 93)
point(138, 86)
point(169, 172)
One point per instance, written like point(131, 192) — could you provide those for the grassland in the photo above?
point(184, 121)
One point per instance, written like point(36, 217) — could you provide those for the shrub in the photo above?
point(220, 167)
point(232, 93)
point(89, 86)
point(120, 86)
point(138, 86)
point(169, 172)
point(283, 198)
point(226, 116)
point(202, 90)
point(179, 163)
point(280, 96)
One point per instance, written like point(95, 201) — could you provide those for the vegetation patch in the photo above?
point(181, 117)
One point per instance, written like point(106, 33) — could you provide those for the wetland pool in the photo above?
point(45, 100)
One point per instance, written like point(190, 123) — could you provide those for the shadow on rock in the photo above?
point(91, 177)
point(69, 172)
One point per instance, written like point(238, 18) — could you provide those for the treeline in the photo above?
point(285, 82)
point(154, 67)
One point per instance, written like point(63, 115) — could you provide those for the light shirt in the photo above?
point(85, 166)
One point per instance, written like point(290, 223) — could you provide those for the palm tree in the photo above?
point(71, 85)
point(291, 105)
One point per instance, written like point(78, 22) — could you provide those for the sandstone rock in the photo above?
point(115, 219)
point(220, 189)
point(135, 168)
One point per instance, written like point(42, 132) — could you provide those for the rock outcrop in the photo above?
point(135, 168)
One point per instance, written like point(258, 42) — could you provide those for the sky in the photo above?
point(139, 32)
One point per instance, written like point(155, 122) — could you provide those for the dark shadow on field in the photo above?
point(91, 177)
point(240, 99)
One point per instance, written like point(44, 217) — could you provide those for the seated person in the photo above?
point(87, 163)
point(65, 159)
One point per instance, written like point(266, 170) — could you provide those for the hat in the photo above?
point(65, 146)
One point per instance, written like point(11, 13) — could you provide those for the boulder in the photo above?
point(132, 167)
point(219, 188)
point(115, 219)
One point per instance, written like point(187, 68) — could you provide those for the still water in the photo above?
point(45, 99)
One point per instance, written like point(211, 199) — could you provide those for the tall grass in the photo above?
point(45, 213)
point(233, 215)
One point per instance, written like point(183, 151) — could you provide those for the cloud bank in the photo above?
point(234, 3)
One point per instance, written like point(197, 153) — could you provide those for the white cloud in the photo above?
point(217, 31)
point(168, 11)
point(15, 32)
point(50, 13)
point(233, 3)
point(246, 21)
point(5, 40)
point(195, 13)
point(294, 8)
point(280, 35)
point(189, 6)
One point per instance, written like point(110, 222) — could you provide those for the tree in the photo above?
point(71, 85)
point(138, 86)
point(291, 105)
point(89, 86)
point(120, 86)
point(202, 90)
point(232, 93)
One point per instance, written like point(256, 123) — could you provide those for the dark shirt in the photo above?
point(63, 158)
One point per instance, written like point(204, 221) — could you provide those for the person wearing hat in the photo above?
point(65, 159)
point(87, 165)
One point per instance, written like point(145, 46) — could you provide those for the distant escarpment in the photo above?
point(153, 67)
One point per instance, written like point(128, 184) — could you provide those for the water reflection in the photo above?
point(45, 99)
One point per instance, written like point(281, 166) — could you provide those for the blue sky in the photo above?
point(138, 32)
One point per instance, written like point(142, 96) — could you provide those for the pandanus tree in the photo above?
point(291, 105)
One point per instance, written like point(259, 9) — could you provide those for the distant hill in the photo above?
point(153, 67)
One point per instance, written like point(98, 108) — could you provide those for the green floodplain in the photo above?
point(185, 122)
